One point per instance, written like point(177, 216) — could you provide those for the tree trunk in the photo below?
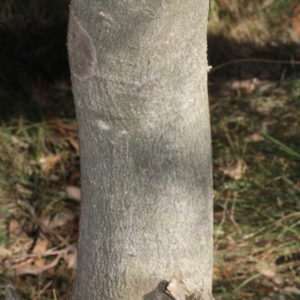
point(139, 75)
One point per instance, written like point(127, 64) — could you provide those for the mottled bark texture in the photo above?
point(139, 75)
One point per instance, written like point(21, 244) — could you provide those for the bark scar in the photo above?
point(82, 52)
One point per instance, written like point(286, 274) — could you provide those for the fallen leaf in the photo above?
point(40, 247)
point(295, 24)
point(71, 259)
point(57, 125)
point(237, 170)
point(73, 192)
point(268, 273)
point(19, 268)
point(255, 137)
point(266, 269)
point(21, 245)
point(278, 280)
point(259, 156)
point(23, 190)
point(4, 252)
point(60, 219)
point(15, 229)
point(49, 162)
point(291, 290)
point(32, 269)
point(74, 143)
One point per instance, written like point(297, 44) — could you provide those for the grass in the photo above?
point(38, 162)
point(257, 229)
point(256, 150)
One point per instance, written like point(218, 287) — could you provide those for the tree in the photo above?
point(139, 76)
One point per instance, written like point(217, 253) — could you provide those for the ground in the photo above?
point(254, 87)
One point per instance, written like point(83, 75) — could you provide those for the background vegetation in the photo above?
point(254, 51)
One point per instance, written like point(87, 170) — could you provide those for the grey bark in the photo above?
point(139, 76)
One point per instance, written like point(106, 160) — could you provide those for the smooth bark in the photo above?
point(139, 76)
